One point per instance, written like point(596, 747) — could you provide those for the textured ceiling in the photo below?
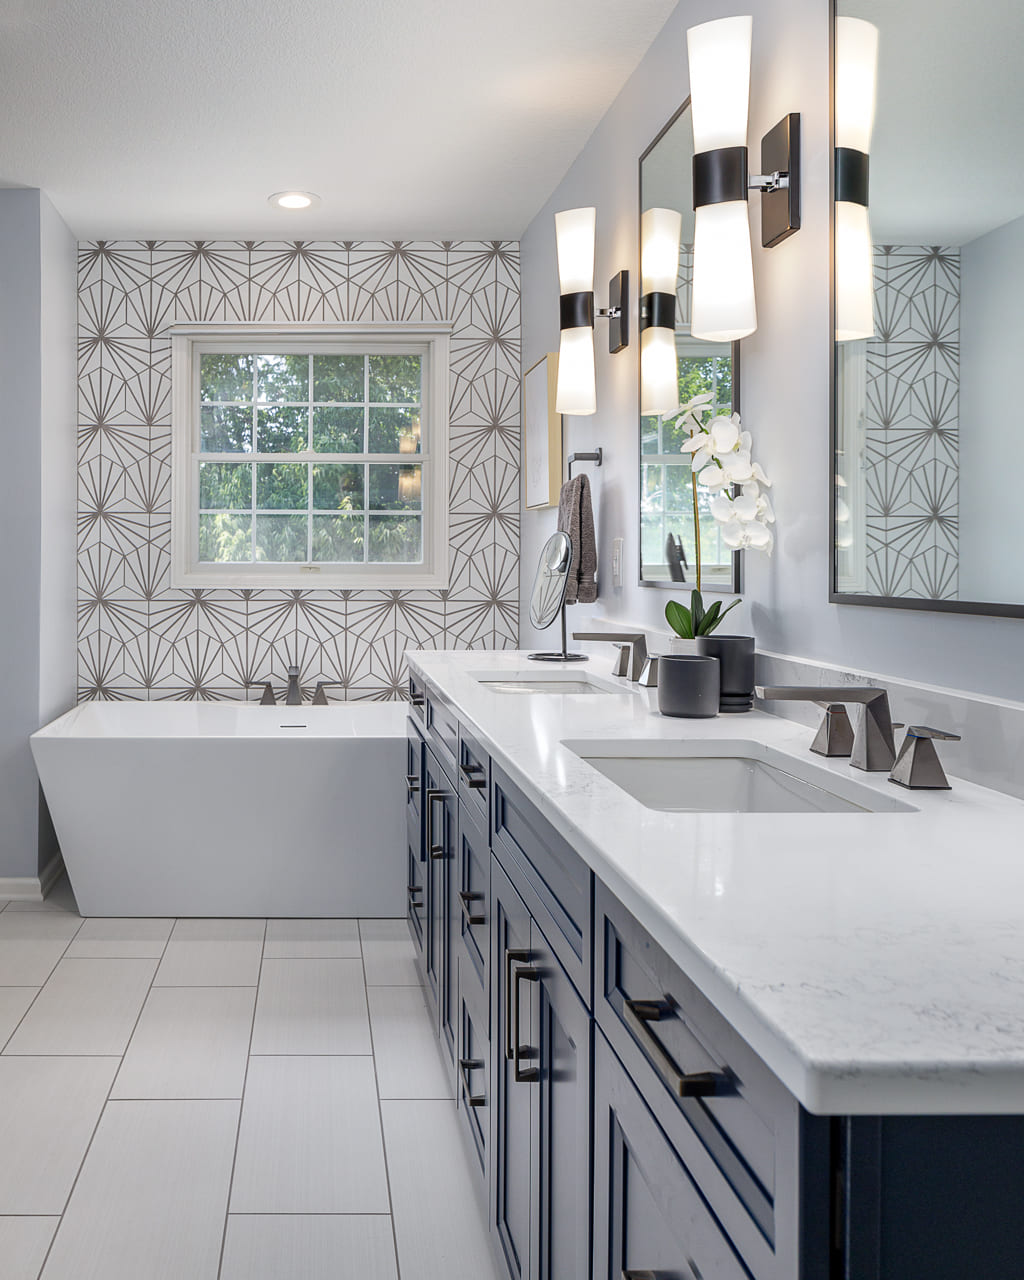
point(442, 118)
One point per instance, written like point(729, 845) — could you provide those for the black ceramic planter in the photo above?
point(687, 685)
point(735, 655)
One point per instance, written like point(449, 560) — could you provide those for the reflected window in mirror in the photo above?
point(668, 539)
point(925, 428)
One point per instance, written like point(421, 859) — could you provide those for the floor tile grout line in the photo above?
point(103, 1109)
point(241, 1105)
point(380, 1109)
point(39, 989)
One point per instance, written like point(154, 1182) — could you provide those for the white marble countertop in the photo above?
point(875, 961)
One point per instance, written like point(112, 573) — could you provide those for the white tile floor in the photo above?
point(224, 1100)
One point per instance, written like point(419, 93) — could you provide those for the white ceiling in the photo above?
point(439, 119)
point(947, 156)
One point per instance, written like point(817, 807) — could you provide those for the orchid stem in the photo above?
point(696, 522)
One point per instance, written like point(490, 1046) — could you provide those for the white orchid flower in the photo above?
point(720, 457)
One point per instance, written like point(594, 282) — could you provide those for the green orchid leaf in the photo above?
point(710, 619)
point(728, 607)
point(679, 619)
point(697, 610)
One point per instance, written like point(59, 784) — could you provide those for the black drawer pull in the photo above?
point(464, 900)
point(417, 699)
point(511, 957)
point(412, 783)
point(469, 772)
point(704, 1079)
point(527, 1075)
point(433, 794)
point(466, 1065)
point(415, 888)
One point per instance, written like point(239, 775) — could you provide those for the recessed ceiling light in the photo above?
point(294, 199)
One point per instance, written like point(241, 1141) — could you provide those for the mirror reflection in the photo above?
point(668, 545)
point(927, 442)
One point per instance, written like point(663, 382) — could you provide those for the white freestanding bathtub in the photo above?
point(226, 809)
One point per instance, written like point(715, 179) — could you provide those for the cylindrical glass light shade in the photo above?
point(723, 307)
point(660, 230)
point(719, 57)
point(576, 391)
point(856, 82)
point(723, 274)
point(659, 372)
point(574, 244)
point(856, 89)
point(855, 295)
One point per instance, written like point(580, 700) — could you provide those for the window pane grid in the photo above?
point(386, 503)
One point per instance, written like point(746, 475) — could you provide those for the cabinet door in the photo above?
point(513, 1106)
point(650, 1220)
point(560, 1051)
point(439, 811)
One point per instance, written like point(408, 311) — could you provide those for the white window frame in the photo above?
point(189, 341)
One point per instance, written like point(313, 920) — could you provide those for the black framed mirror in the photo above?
point(928, 239)
point(668, 536)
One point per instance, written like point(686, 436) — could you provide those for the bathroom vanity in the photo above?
point(693, 1045)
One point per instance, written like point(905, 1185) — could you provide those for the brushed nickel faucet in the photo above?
point(870, 746)
point(632, 650)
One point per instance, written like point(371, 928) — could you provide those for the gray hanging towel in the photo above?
point(576, 518)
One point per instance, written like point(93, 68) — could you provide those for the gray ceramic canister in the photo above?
point(687, 685)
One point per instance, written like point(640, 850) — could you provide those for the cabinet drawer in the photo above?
point(733, 1123)
point(474, 774)
point(650, 1218)
point(417, 699)
point(555, 882)
point(443, 732)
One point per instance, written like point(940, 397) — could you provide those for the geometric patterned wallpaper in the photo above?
point(138, 638)
point(912, 427)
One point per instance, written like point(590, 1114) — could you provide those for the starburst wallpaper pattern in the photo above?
point(139, 638)
point(912, 427)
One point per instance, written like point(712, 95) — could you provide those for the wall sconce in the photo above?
point(856, 86)
point(660, 231)
point(576, 390)
point(723, 276)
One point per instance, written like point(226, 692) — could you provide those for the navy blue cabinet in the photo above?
point(619, 1127)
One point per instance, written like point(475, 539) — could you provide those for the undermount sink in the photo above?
point(541, 681)
point(728, 777)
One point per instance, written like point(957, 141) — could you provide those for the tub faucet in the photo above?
point(293, 697)
point(872, 747)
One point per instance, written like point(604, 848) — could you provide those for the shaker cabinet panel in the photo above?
point(512, 1145)
point(649, 1215)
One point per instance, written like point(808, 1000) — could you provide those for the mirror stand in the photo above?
point(564, 656)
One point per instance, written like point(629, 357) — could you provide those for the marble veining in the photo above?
point(874, 960)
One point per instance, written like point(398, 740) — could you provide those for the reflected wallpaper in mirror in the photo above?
point(927, 439)
point(667, 541)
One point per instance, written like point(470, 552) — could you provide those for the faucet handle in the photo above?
point(268, 699)
point(319, 697)
point(918, 766)
point(835, 733)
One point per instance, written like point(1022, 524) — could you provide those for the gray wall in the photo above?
point(785, 382)
point(36, 571)
point(991, 341)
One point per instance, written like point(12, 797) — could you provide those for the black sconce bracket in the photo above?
point(721, 175)
point(576, 311)
point(617, 312)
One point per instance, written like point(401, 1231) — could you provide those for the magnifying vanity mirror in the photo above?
point(668, 542)
point(547, 600)
point(927, 438)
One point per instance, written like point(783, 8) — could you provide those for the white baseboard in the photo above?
point(32, 888)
